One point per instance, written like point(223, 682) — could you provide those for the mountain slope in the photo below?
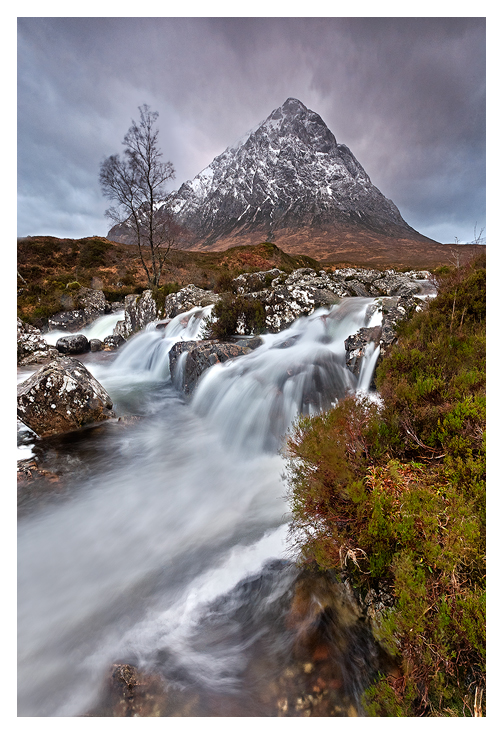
point(287, 181)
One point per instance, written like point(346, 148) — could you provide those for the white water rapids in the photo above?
point(167, 515)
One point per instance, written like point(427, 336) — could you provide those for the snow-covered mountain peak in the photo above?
point(286, 174)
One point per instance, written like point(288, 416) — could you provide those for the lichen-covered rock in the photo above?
point(251, 282)
point(86, 305)
point(31, 346)
point(198, 356)
point(62, 396)
point(187, 298)
point(395, 309)
point(73, 344)
point(139, 310)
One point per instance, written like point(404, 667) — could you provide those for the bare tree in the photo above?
point(479, 237)
point(136, 182)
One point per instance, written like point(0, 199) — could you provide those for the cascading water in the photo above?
point(148, 559)
point(99, 329)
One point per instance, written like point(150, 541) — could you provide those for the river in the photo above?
point(170, 546)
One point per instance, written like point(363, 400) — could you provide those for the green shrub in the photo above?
point(160, 293)
point(224, 283)
point(233, 312)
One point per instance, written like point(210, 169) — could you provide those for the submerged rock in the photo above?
point(113, 342)
point(62, 396)
point(95, 345)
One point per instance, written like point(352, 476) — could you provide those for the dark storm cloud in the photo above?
point(407, 95)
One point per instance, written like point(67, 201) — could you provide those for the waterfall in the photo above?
point(99, 329)
point(146, 556)
point(302, 370)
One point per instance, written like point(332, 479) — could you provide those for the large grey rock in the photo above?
point(356, 346)
point(88, 305)
point(62, 396)
point(189, 360)
point(187, 298)
point(139, 310)
point(251, 282)
point(31, 346)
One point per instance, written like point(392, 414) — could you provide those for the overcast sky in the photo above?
point(407, 95)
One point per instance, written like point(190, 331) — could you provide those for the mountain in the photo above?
point(290, 182)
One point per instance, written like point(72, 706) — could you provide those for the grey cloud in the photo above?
point(407, 95)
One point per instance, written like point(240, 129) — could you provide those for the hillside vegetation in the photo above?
point(49, 269)
point(393, 495)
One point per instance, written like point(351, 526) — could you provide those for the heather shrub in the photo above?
point(394, 495)
point(233, 314)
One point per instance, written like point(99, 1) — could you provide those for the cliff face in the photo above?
point(288, 181)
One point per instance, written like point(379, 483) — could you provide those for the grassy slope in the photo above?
point(51, 268)
point(396, 497)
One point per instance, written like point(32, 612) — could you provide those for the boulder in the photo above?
point(395, 309)
point(200, 355)
point(62, 396)
point(73, 344)
point(139, 310)
point(88, 305)
point(113, 342)
point(251, 282)
point(187, 298)
point(95, 345)
point(31, 346)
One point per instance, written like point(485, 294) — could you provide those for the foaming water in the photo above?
point(302, 370)
point(166, 509)
point(176, 511)
point(99, 329)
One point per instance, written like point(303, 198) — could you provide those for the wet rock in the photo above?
point(129, 692)
point(70, 321)
point(139, 310)
point(251, 342)
point(285, 304)
point(31, 346)
point(74, 344)
point(88, 305)
point(198, 357)
point(187, 298)
point(113, 342)
point(395, 284)
point(356, 288)
point(395, 309)
point(62, 396)
point(356, 346)
point(29, 471)
point(95, 345)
